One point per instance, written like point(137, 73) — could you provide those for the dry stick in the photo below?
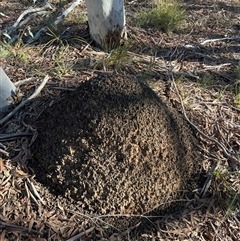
point(15, 227)
point(16, 24)
point(218, 67)
point(81, 234)
point(35, 192)
point(12, 39)
point(36, 93)
point(226, 154)
point(67, 11)
point(20, 82)
point(92, 218)
point(57, 21)
point(32, 16)
point(4, 152)
point(7, 137)
point(219, 39)
point(29, 194)
point(3, 146)
point(99, 218)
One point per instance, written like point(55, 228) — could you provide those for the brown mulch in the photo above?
point(208, 85)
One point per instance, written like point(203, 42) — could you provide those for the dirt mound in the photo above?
point(114, 146)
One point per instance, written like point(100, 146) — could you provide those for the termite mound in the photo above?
point(115, 147)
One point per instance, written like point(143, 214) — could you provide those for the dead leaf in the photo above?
point(19, 173)
point(1, 165)
point(2, 235)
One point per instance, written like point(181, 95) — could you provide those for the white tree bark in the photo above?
point(106, 19)
point(7, 89)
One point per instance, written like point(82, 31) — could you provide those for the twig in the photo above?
point(219, 39)
point(29, 193)
point(57, 21)
point(63, 88)
point(15, 227)
point(20, 82)
point(216, 232)
point(66, 12)
point(32, 16)
point(92, 218)
point(208, 181)
point(35, 192)
point(3, 146)
point(218, 67)
point(81, 234)
point(38, 34)
point(36, 93)
point(7, 137)
point(33, 10)
point(231, 158)
point(4, 15)
point(4, 152)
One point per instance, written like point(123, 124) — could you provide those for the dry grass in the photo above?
point(207, 77)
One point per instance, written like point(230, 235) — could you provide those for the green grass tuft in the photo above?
point(166, 16)
point(117, 59)
point(227, 195)
point(207, 80)
point(237, 87)
point(237, 71)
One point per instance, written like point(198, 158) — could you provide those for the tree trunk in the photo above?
point(7, 89)
point(106, 19)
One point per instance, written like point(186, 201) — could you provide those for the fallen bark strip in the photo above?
point(23, 103)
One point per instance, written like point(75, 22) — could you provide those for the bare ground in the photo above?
point(205, 73)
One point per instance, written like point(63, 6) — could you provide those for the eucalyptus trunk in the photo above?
point(106, 19)
point(7, 89)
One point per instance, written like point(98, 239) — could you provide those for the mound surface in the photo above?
point(115, 147)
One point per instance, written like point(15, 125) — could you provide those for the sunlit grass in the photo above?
point(19, 53)
point(165, 15)
point(117, 58)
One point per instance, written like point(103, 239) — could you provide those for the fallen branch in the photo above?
point(32, 16)
point(57, 21)
point(66, 12)
point(20, 82)
point(219, 39)
point(23, 103)
point(233, 160)
point(33, 10)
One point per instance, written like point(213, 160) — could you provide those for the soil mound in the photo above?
point(115, 147)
